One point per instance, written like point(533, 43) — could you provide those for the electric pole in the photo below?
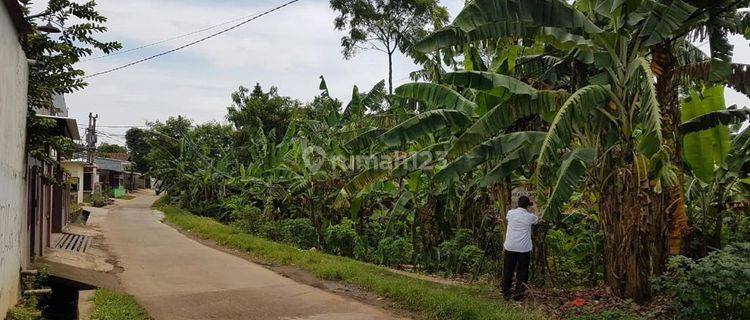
point(91, 138)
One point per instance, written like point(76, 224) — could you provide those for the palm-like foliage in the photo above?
point(712, 197)
point(615, 114)
point(579, 101)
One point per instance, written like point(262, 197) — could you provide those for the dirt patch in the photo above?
point(340, 288)
point(565, 304)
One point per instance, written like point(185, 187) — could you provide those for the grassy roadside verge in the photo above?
point(432, 300)
point(110, 305)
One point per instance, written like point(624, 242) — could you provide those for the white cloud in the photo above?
point(288, 49)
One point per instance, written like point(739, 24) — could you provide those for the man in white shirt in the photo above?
point(518, 246)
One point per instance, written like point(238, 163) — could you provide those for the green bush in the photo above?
point(576, 244)
point(299, 232)
point(342, 238)
point(23, 312)
point(74, 211)
point(715, 287)
point(271, 230)
point(469, 258)
point(249, 219)
point(459, 254)
point(164, 200)
point(98, 199)
point(393, 251)
point(31, 306)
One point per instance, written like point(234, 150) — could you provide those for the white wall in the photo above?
point(13, 86)
point(76, 170)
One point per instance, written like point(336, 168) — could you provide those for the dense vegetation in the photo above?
point(106, 148)
point(605, 109)
point(432, 300)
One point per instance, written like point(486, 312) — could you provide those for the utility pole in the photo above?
point(91, 138)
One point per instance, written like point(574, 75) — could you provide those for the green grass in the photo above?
point(110, 305)
point(23, 312)
point(431, 300)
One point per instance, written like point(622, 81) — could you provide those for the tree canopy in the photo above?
point(106, 148)
point(385, 25)
point(258, 109)
point(136, 140)
point(54, 71)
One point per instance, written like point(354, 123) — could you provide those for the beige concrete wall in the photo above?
point(13, 86)
point(76, 170)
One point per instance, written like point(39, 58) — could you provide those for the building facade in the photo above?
point(13, 91)
point(77, 168)
point(48, 202)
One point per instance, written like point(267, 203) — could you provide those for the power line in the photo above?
point(194, 42)
point(118, 126)
point(168, 39)
point(109, 137)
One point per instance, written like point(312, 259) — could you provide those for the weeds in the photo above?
point(110, 305)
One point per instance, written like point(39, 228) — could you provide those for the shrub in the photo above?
point(162, 201)
point(717, 286)
point(98, 199)
point(271, 230)
point(469, 258)
point(362, 250)
point(394, 251)
point(576, 244)
point(74, 211)
point(210, 209)
point(459, 254)
point(249, 219)
point(342, 238)
point(31, 306)
point(299, 232)
point(23, 312)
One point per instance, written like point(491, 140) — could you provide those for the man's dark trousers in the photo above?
point(518, 262)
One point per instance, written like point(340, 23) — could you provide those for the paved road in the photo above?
point(175, 277)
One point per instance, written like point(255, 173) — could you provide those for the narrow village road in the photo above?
point(175, 277)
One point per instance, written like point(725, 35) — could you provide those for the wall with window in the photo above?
point(75, 169)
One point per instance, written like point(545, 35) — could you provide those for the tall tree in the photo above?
point(166, 140)
point(54, 71)
point(385, 25)
point(254, 109)
point(136, 140)
point(105, 148)
point(678, 63)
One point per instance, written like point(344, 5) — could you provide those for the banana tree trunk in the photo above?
point(541, 273)
point(634, 235)
point(671, 203)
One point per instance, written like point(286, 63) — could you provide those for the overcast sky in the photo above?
point(289, 49)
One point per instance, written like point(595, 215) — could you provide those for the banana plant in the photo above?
point(611, 115)
point(712, 197)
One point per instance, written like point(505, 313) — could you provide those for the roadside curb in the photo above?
point(85, 305)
